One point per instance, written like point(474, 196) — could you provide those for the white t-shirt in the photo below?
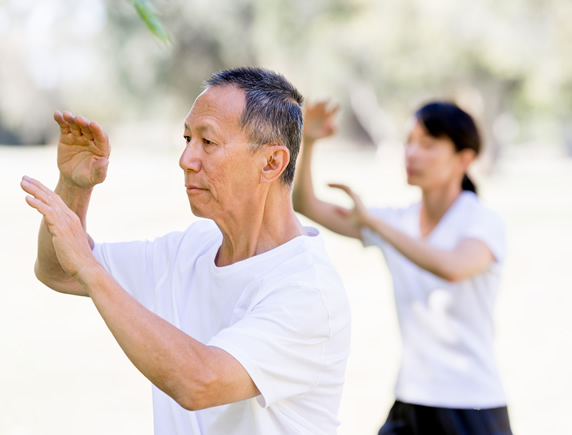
point(446, 328)
point(282, 314)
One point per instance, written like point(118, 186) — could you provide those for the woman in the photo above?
point(445, 255)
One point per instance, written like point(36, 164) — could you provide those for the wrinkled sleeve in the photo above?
point(282, 342)
point(137, 266)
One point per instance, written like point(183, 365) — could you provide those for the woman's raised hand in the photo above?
point(83, 151)
point(319, 120)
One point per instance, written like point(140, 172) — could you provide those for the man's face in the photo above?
point(221, 170)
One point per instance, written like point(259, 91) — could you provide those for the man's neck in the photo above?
point(261, 227)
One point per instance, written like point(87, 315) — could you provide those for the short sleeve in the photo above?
point(139, 265)
point(488, 227)
point(281, 342)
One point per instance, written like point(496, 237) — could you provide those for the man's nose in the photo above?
point(190, 160)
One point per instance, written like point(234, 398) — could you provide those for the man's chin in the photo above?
point(198, 211)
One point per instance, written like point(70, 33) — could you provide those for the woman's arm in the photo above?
point(470, 257)
point(318, 123)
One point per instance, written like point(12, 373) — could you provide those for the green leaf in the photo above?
point(149, 15)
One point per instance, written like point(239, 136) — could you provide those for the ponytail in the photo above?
point(467, 184)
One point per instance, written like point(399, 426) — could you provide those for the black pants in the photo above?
point(408, 419)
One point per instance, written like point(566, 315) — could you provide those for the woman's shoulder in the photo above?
point(478, 221)
point(478, 212)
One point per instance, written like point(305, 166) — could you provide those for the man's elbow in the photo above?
point(59, 283)
point(193, 401)
point(196, 395)
point(41, 275)
point(194, 405)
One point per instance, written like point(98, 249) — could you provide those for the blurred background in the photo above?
point(507, 62)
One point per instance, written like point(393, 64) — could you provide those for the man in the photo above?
point(241, 324)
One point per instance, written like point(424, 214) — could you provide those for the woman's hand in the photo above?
point(359, 216)
point(319, 121)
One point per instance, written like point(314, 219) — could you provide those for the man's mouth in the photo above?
point(193, 188)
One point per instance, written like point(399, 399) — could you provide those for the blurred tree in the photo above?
point(508, 62)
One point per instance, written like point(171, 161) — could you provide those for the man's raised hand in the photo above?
point(83, 151)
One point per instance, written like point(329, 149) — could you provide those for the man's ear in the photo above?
point(276, 160)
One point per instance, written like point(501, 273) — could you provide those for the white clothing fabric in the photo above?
point(282, 314)
point(446, 328)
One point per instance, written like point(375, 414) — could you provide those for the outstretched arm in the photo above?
point(468, 258)
point(195, 375)
point(83, 152)
point(318, 123)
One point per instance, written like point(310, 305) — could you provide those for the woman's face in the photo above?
point(430, 162)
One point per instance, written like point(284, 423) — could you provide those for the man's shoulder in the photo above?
point(305, 263)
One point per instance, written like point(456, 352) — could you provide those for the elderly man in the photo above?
point(241, 321)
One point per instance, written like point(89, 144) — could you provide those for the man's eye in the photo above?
point(187, 139)
point(206, 141)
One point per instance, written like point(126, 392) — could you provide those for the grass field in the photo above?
point(62, 373)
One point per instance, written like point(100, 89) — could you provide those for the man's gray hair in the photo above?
point(272, 112)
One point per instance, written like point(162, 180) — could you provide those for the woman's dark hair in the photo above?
point(443, 119)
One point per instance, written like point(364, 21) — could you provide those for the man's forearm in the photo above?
point(76, 198)
point(195, 375)
point(47, 268)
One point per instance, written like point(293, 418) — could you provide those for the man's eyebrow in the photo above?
point(202, 128)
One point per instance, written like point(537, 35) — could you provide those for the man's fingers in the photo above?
point(84, 127)
point(39, 205)
point(70, 119)
point(48, 203)
point(64, 126)
point(100, 137)
point(40, 192)
point(33, 186)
